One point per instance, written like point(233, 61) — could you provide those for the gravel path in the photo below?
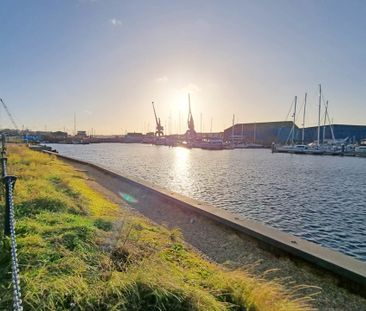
point(225, 246)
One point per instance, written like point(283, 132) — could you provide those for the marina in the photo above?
point(304, 196)
point(183, 155)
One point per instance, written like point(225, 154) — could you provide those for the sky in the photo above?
point(106, 60)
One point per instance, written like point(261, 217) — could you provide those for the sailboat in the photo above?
point(245, 145)
point(301, 148)
point(292, 148)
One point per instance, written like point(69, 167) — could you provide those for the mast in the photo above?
point(325, 119)
point(293, 122)
point(320, 107)
point(233, 130)
point(74, 123)
point(179, 121)
point(330, 124)
point(303, 121)
point(254, 132)
point(201, 128)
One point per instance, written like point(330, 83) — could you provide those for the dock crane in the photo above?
point(9, 114)
point(159, 128)
point(191, 132)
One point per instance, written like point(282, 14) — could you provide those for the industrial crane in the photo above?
point(159, 128)
point(191, 132)
point(9, 114)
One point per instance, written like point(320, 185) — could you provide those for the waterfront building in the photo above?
point(279, 132)
point(263, 133)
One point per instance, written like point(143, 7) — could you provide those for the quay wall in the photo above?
point(349, 272)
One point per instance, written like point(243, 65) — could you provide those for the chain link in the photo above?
point(17, 301)
point(9, 182)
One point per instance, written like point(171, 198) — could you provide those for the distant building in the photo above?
point(133, 138)
point(59, 135)
point(280, 132)
point(263, 133)
point(46, 136)
point(354, 133)
point(219, 135)
point(81, 134)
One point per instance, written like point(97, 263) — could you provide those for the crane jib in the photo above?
point(9, 114)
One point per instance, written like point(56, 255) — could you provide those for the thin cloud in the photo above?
point(115, 22)
point(162, 79)
point(191, 88)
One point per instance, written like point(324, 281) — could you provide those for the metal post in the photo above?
point(3, 155)
point(9, 227)
point(9, 186)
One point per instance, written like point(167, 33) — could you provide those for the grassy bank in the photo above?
point(79, 251)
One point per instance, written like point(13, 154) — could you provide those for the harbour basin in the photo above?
point(320, 199)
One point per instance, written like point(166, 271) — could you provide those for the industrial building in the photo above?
point(263, 133)
point(354, 133)
point(267, 132)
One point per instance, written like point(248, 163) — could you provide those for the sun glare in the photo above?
point(180, 102)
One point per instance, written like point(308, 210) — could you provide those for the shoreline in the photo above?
point(79, 249)
point(224, 245)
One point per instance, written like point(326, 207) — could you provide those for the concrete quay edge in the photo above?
point(346, 268)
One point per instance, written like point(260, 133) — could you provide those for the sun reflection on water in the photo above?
point(181, 167)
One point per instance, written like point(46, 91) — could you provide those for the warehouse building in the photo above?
point(281, 132)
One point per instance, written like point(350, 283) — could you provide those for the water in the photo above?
point(318, 198)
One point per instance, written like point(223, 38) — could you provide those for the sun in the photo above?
point(180, 102)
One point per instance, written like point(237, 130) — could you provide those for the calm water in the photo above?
point(321, 199)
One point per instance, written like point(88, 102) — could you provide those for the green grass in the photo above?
point(79, 251)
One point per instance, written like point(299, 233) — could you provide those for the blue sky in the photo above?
point(107, 60)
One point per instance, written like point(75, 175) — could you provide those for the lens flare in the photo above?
point(128, 198)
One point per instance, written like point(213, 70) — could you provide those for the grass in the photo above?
point(79, 251)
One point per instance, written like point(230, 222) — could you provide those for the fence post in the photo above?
point(9, 187)
point(3, 155)
point(9, 226)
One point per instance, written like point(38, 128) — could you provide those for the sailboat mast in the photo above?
point(320, 107)
point(331, 125)
point(303, 120)
point(233, 130)
point(325, 120)
point(74, 123)
point(189, 121)
point(293, 122)
point(255, 132)
point(201, 128)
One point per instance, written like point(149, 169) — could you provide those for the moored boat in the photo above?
point(248, 146)
point(360, 151)
point(212, 144)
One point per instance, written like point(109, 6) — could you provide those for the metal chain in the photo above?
point(17, 301)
